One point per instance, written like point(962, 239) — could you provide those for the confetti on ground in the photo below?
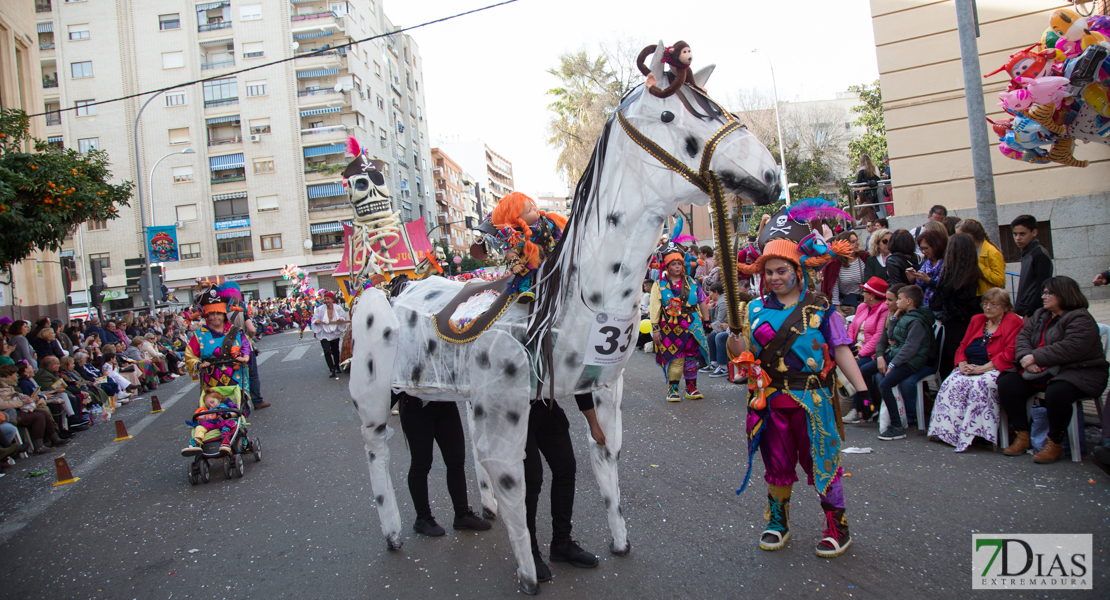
point(37, 473)
point(194, 550)
point(654, 465)
point(1090, 481)
point(847, 474)
point(854, 450)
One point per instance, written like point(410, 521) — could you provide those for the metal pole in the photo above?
point(142, 215)
point(84, 276)
point(778, 124)
point(985, 205)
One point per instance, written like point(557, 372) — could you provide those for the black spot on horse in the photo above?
point(483, 359)
point(370, 368)
point(369, 321)
point(607, 454)
point(432, 345)
point(380, 428)
point(372, 456)
point(595, 298)
point(513, 417)
point(608, 502)
point(597, 401)
point(371, 425)
point(626, 293)
point(586, 383)
point(387, 334)
point(417, 371)
point(507, 482)
point(380, 499)
point(614, 219)
point(657, 221)
point(412, 319)
point(615, 268)
point(692, 146)
point(479, 411)
point(355, 402)
point(432, 295)
point(509, 368)
point(484, 485)
point(572, 359)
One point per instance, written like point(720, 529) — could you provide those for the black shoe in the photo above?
point(543, 570)
point(428, 527)
point(570, 552)
point(59, 442)
point(471, 521)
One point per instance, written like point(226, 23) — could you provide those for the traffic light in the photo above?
point(97, 288)
point(470, 222)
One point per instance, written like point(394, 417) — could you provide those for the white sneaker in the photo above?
point(122, 395)
point(851, 417)
point(708, 368)
point(720, 371)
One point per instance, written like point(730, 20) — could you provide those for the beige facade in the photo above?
point(927, 130)
point(263, 188)
point(451, 202)
point(476, 158)
point(33, 287)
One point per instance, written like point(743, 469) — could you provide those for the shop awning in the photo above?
point(230, 196)
point(229, 161)
point(326, 190)
point(328, 227)
point(317, 73)
point(227, 235)
point(320, 111)
point(214, 42)
point(46, 27)
point(227, 119)
point(322, 150)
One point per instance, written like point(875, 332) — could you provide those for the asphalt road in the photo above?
point(301, 523)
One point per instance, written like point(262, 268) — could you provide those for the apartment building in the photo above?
point(476, 158)
point(550, 202)
point(33, 287)
point(455, 201)
point(262, 187)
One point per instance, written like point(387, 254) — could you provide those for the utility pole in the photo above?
point(967, 21)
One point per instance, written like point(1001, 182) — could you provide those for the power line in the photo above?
point(277, 62)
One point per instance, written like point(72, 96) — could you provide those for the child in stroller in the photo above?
point(207, 420)
point(219, 431)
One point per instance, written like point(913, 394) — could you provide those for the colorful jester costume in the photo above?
point(675, 314)
point(798, 423)
point(219, 348)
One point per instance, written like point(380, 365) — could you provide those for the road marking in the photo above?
point(36, 506)
point(265, 356)
point(296, 353)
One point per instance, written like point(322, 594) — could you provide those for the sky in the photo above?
point(485, 74)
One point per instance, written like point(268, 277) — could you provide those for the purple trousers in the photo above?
point(784, 444)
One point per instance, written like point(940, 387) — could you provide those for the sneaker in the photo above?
point(395, 412)
point(570, 552)
point(543, 570)
point(471, 521)
point(720, 371)
point(225, 449)
point(837, 539)
point(708, 368)
point(190, 451)
point(892, 433)
point(778, 524)
point(692, 393)
point(851, 417)
point(673, 395)
point(428, 527)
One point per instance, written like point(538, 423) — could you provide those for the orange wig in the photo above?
point(508, 213)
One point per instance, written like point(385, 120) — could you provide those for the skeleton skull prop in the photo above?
point(366, 189)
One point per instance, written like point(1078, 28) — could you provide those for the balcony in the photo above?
point(213, 26)
point(53, 119)
point(316, 92)
point(228, 179)
point(235, 139)
point(46, 46)
point(328, 204)
point(47, 82)
point(322, 57)
point(311, 16)
point(43, 7)
point(217, 65)
point(220, 102)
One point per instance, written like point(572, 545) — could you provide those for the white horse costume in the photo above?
point(587, 303)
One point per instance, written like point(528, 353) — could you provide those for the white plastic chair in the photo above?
point(1075, 429)
point(938, 339)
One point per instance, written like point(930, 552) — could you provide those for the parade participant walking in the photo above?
point(218, 353)
point(799, 339)
point(328, 322)
point(677, 309)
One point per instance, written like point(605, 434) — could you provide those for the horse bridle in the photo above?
point(707, 181)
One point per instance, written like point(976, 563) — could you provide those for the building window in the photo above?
point(267, 202)
point(179, 135)
point(360, 120)
point(271, 242)
point(250, 12)
point(86, 108)
point(263, 165)
point(187, 212)
point(103, 258)
point(220, 92)
point(381, 102)
point(86, 144)
point(173, 60)
point(214, 15)
point(183, 175)
point(256, 88)
point(377, 69)
point(235, 250)
point(229, 210)
point(253, 50)
point(175, 99)
point(189, 251)
point(79, 32)
point(167, 22)
point(259, 126)
point(80, 70)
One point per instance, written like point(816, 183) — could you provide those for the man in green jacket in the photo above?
point(903, 350)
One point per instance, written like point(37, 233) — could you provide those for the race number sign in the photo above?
point(611, 338)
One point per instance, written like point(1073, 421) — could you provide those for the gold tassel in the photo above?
point(781, 366)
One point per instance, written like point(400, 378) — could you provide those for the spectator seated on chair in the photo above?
point(1058, 351)
point(868, 322)
point(50, 382)
point(26, 411)
point(903, 350)
point(967, 403)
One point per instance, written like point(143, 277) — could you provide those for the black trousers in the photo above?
point(1014, 392)
point(549, 433)
point(331, 353)
point(438, 422)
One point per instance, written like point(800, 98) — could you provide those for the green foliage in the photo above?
point(757, 215)
point(872, 143)
point(45, 194)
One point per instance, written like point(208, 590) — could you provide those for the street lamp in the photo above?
point(146, 251)
point(778, 123)
point(142, 212)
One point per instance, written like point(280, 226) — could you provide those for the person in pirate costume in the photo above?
point(799, 339)
point(677, 310)
point(218, 352)
point(527, 235)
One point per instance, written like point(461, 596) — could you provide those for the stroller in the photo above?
point(199, 470)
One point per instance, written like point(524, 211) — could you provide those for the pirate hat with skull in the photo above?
point(364, 178)
point(788, 235)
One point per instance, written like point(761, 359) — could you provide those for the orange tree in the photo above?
point(45, 194)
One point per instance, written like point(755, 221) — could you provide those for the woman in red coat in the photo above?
point(967, 403)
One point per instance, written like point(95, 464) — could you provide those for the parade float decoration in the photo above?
point(656, 152)
point(1058, 92)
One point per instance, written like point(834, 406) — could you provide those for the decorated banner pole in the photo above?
point(728, 255)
